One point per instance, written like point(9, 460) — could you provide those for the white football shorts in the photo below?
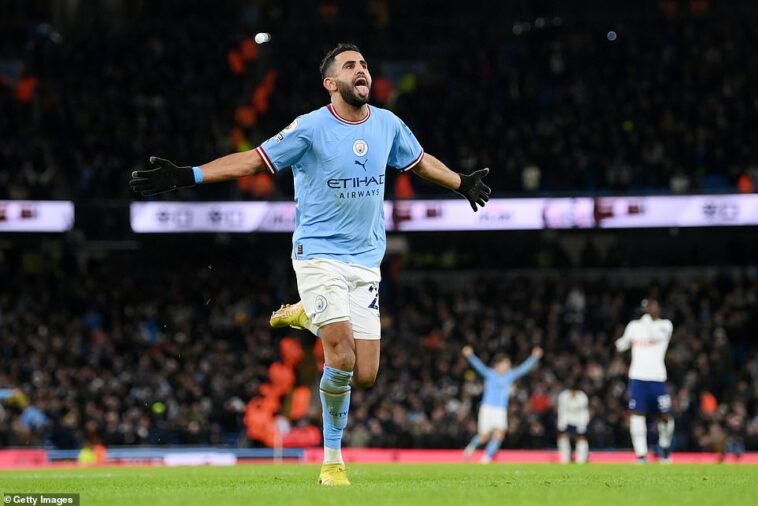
point(334, 291)
point(492, 418)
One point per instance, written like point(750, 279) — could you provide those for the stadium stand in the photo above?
point(528, 100)
point(173, 358)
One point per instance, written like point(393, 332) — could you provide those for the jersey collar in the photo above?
point(334, 113)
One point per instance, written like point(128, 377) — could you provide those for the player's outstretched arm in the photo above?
point(528, 364)
point(470, 186)
point(477, 364)
point(166, 176)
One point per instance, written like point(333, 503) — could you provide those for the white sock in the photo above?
point(333, 455)
point(665, 433)
point(582, 451)
point(564, 449)
point(638, 431)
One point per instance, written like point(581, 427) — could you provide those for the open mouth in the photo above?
point(361, 86)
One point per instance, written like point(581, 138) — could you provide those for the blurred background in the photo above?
point(113, 337)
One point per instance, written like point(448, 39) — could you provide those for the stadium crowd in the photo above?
point(171, 355)
point(155, 350)
point(556, 104)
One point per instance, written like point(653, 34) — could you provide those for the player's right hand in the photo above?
point(537, 352)
point(467, 351)
point(166, 176)
point(473, 188)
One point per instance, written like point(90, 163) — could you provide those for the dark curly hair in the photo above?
point(331, 55)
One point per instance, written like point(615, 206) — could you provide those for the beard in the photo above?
point(348, 94)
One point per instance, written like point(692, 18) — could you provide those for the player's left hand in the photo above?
point(166, 176)
point(537, 352)
point(473, 188)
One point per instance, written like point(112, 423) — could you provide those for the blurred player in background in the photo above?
point(573, 417)
point(649, 338)
point(338, 155)
point(493, 412)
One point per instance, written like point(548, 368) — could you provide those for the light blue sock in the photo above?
point(335, 402)
point(474, 442)
point(492, 447)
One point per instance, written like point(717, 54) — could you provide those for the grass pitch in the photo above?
point(400, 484)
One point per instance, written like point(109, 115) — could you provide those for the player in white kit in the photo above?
point(649, 338)
point(573, 417)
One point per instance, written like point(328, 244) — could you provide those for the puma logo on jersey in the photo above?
point(362, 164)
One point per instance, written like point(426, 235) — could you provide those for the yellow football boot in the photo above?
point(333, 475)
point(290, 315)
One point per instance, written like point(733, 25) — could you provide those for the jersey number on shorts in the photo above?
point(374, 303)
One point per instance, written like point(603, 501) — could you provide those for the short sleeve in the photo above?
point(624, 342)
point(406, 151)
point(287, 147)
point(669, 328)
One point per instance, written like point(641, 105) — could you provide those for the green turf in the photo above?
point(400, 484)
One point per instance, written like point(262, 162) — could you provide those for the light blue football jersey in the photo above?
point(339, 168)
point(497, 387)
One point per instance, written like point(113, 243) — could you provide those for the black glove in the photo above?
point(163, 178)
point(473, 188)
